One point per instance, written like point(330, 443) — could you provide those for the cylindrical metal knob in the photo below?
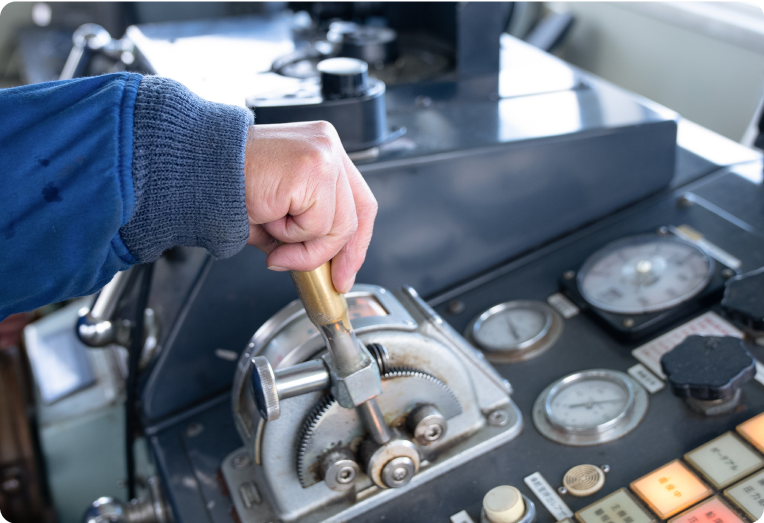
point(343, 77)
point(270, 387)
point(427, 424)
point(340, 469)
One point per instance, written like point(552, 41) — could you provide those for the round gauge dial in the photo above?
point(515, 330)
point(645, 273)
point(590, 407)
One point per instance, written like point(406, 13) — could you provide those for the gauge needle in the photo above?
point(512, 328)
point(590, 404)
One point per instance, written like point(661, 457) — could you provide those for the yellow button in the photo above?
point(503, 504)
point(753, 431)
point(748, 495)
point(724, 460)
point(670, 489)
point(618, 507)
point(712, 511)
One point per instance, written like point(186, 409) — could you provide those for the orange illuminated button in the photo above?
point(753, 431)
point(712, 511)
point(670, 489)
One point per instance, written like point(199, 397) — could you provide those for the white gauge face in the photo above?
point(642, 274)
point(590, 407)
point(510, 328)
point(588, 403)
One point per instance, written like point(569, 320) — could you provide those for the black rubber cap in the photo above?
point(708, 367)
point(744, 299)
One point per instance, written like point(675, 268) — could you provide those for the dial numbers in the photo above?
point(588, 404)
point(590, 407)
point(512, 327)
point(515, 330)
point(642, 274)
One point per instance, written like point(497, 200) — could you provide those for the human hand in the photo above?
point(302, 189)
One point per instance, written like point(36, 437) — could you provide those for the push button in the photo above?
point(503, 504)
point(670, 489)
point(748, 496)
point(712, 511)
point(618, 507)
point(724, 460)
point(753, 431)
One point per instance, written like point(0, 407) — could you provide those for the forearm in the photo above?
point(101, 173)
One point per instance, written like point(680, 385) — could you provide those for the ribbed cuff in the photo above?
point(188, 173)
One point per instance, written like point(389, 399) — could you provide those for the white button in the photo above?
point(503, 504)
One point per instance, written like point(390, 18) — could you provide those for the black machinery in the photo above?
point(543, 239)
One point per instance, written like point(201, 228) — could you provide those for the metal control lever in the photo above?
point(351, 373)
point(96, 327)
point(348, 368)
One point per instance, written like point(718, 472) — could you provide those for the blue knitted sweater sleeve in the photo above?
point(97, 174)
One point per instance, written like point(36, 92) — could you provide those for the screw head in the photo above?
point(605, 468)
point(339, 469)
point(433, 432)
point(346, 474)
point(562, 490)
point(455, 307)
point(398, 472)
point(194, 430)
point(240, 461)
point(427, 424)
point(498, 418)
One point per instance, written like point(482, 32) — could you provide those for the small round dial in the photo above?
point(515, 330)
point(589, 404)
point(645, 273)
point(590, 407)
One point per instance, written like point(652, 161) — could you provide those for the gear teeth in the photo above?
point(311, 420)
point(397, 372)
point(307, 430)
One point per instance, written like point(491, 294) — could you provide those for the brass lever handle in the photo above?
point(321, 300)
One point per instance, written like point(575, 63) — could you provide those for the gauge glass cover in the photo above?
point(645, 273)
point(511, 325)
point(589, 402)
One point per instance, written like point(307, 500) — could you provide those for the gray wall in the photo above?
point(704, 61)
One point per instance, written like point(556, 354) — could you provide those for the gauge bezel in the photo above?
point(527, 349)
point(633, 240)
point(629, 417)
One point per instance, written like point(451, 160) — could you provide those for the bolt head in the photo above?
point(498, 418)
point(433, 432)
point(340, 472)
point(398, 472)
point(194, 430)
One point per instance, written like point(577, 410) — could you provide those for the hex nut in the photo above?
point(357, 387)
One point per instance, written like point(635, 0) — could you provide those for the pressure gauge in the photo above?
point(515, 330)
point(590, 407)
point(646, 273)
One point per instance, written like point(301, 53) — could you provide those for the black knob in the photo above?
point(343, 78)
point(708, 368)
point(744, 299)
